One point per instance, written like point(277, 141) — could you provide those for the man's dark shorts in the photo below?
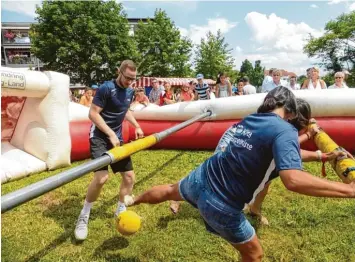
point(98, 146)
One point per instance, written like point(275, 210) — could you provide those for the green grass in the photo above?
point(301, 228)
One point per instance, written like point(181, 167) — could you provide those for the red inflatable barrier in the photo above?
point(204, 135)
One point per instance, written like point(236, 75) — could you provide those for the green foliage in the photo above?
point(84, 39)
point(255, 74)
point(329, 79)
point(336, 48)
point(246, 69)
point(258, 74)
point(162, 50)
point(214, 56)
point(301, 79)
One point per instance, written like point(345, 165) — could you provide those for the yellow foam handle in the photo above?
point(340, 166)
point(121, 152)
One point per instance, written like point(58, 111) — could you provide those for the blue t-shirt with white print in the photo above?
point(261, 143)
point(114, 101)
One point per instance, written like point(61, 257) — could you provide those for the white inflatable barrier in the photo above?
point(325, 103)
point(35, 123)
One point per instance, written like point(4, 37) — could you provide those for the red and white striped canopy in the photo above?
point(147, 81)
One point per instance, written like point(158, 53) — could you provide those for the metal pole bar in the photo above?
point(23, 195)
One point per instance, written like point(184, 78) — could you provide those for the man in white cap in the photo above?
point(202, 88)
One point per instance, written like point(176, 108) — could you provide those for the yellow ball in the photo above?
point(128, 223)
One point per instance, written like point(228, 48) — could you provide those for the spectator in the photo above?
point(314, 82)
point(268, 77)
point(240, 88)
point(167, 96)
point(293, 85)
point(140, 97)
point(248, 89)
point(339, 81)
point(223, 86)
point(155, 93)
point(186, 94)
point(86, 99)
point(276, 81)
point(202, 88)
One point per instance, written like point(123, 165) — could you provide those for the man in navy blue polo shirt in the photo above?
point(107, 112)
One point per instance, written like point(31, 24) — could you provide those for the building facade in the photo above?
point(16, 44)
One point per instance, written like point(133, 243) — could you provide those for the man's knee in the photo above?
point(101, 177)
point(128, 177)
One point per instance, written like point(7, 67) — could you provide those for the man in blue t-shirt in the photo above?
point(109, 108)
point(226, 181)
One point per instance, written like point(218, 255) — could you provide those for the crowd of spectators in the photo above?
point(162, 93)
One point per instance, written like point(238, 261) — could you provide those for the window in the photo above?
point(12, 36)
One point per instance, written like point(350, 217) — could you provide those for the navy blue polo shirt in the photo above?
point(114, 101)
point(261, 144)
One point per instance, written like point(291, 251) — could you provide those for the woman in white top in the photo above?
point(339, 81)
point(314, 82)
point(223, 86)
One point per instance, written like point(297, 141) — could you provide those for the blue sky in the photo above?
point(273, 32)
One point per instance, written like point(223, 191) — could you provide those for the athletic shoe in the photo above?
point(81, 229)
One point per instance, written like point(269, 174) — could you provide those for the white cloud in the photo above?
point(352, 7)
point(279, 43)
point(335, 2)
point(313, 6)
point(238, 49)
point(195, 32)
point(22, 7)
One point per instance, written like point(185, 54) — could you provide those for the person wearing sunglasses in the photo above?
point(339, 81)
point(108, 110)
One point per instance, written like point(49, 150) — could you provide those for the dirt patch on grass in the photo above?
point(50, 199)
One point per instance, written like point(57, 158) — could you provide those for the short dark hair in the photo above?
point(245, 79)
point(279, 97)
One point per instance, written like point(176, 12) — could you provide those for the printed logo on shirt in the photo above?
point(240, 130)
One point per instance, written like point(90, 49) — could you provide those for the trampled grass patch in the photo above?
point(301, 228)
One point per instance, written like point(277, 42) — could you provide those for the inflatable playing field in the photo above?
point(34, 122)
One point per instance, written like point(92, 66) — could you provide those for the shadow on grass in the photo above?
point(66, 214)
point(102, 212)
point(112, 244)
point(185, 212)
point(62, 213)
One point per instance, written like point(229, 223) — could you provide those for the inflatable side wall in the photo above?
point(40, 138)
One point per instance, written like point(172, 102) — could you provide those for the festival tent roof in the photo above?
point(147, 81)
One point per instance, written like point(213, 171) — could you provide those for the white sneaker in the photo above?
point(81, 229)
point(128, 200)
point(120, 209)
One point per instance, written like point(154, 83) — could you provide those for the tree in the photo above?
point(84, 39)
point(163, 51)
point(336, 48)
point(246, 69)
point(213, 56)
point(255, 74)
point(258, 74)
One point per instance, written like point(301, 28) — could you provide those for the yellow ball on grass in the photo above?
point(128, 223)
